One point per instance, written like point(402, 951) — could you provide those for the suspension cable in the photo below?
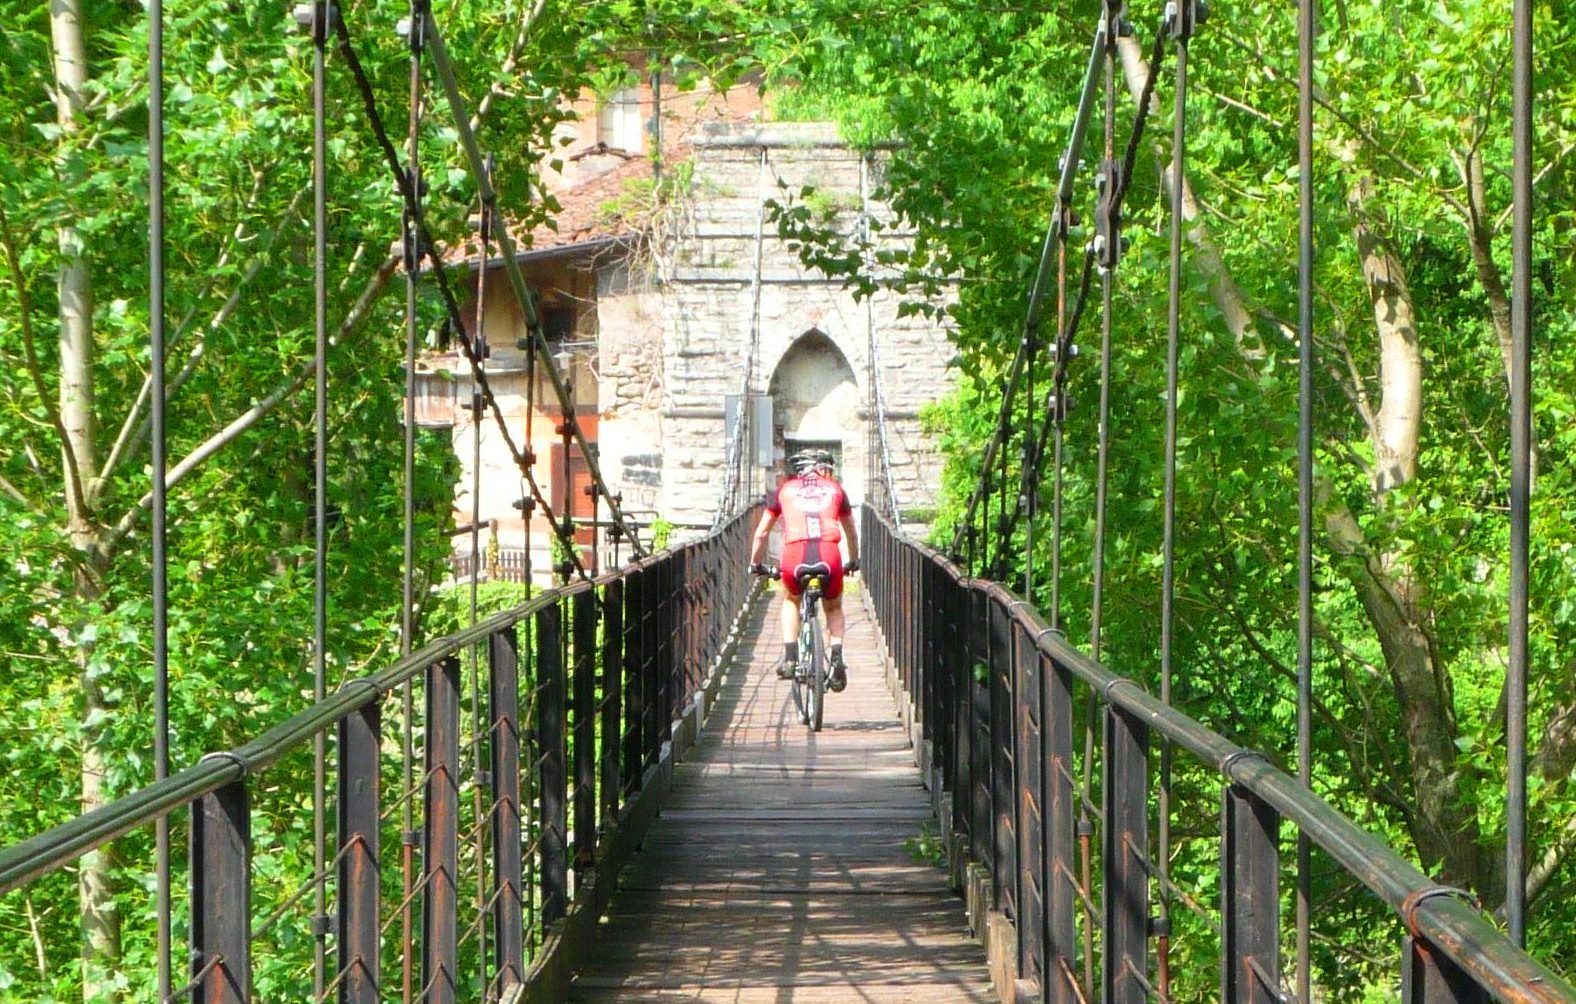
point(428, 246)
point(160, 556)
point(1520, 471)
point(477, 769)
point(1306, 27)
point(410, 214)
point(323, 13)
point(468, 142)
point(739, 444)
point(1180, 22)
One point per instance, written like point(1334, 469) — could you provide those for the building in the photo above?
point(671, 315)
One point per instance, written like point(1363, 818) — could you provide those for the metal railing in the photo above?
point(581, 687)
point(994, 689)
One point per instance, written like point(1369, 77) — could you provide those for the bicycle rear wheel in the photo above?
point(817, 682)
point(802, 673)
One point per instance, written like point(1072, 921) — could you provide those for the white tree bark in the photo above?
point(100, 921)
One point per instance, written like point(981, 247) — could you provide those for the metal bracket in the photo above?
point(1182, 18)
point(1108, 243)
point(306, 20)
point(322, 923)
point(1230, 759)
point(234, 758)
point(1416, 899)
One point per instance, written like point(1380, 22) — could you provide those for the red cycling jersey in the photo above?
point(810, 507)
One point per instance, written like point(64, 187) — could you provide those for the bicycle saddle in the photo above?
point(804, 573)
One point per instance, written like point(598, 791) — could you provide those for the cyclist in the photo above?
point(816, 516)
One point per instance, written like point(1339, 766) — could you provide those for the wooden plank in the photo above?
point(781, 867)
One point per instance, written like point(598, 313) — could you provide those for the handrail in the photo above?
point(1446, 922)
point(60, 845)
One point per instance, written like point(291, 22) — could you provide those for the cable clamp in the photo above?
point(1418, 897)
point(1119, 681)
point(1182, 18)
point(1108, 243)
point(321, 923)
point(1230, 759)
point(1084, 827)
point(232, 757)
point(362, 683)
point(307, 22)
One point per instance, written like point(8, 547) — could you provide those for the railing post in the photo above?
point(1030, 802)
point(905, 620)
point(1061, 812)
point(221, 924)
point(634, 661)
point(554, 780)
point(357, 943)
point(960, 686)
point(662, 644)
point(1429, 977)
point(1003, 798)
point(651, 667)
point(933, 728)
point(583, 696)
point(1125, 859)
point(1249, 899)
point(612, 697)
point(982, 789)
point(441, 836)
point(503, 653)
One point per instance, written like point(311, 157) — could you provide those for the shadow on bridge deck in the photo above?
point(777, 871)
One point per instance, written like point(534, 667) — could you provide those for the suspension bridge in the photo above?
point(602, 794)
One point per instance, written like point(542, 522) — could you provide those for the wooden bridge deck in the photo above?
point(777, 871)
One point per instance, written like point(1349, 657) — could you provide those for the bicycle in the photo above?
point(811, 673)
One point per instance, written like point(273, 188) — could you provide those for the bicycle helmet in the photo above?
point(808, 461)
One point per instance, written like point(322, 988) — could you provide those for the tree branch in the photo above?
point(350, 325)
point(24, 302)
point(138, 424)
point(16, 493)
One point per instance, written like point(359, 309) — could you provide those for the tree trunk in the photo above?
point(1400, 416)
point(1393, 594)
point(101, 946)
point(1444, 831)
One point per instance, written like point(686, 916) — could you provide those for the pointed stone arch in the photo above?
point(817, 399)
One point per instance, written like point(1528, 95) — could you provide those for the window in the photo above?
point(619, 123)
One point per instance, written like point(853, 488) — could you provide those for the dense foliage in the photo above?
point(1413, 194)
point(1413, 197)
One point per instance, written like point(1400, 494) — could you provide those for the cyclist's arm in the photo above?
point(847, 522)
point(763, 531)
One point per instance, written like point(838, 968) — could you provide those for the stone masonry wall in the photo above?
point(708, 306)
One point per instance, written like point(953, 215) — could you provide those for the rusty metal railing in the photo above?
point(581, 687)
point(994, 689)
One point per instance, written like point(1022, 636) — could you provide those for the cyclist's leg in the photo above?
point(832, 604)
point(833, 607)
point(832, 596)
point(791, 556)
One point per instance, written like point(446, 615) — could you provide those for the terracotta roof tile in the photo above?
point(583, 216)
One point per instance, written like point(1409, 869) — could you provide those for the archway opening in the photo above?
point(816, 403)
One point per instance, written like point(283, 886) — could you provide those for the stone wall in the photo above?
point(708, 314)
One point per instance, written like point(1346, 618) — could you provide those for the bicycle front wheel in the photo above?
point(817, 682)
